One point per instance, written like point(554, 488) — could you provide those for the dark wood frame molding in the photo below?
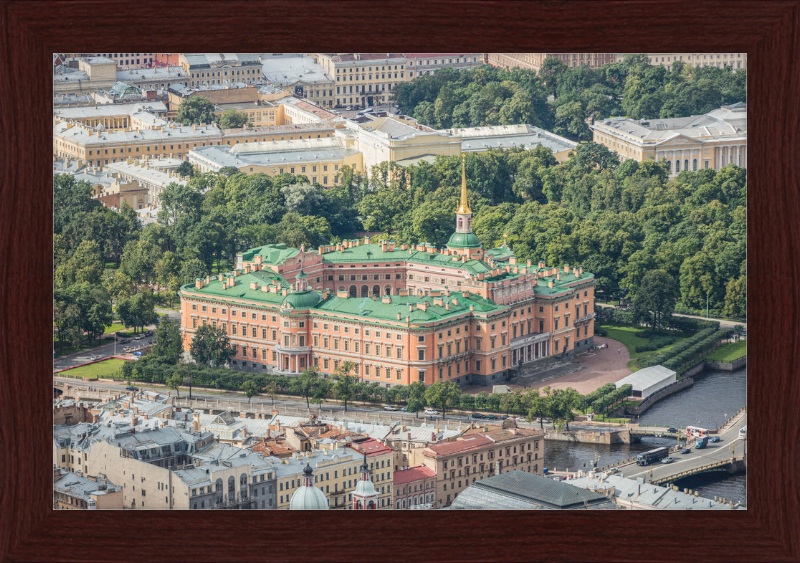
point(31, 30)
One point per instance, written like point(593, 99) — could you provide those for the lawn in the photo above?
point(728, 352)
point(627, 336)
point(114, 327)
point(70, 350)
point(99, 369)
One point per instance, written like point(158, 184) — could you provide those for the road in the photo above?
point(106, 350)
point(713, 452)
point(722, 322)
point(300, 403)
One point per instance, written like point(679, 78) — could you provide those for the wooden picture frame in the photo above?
point(768, 30)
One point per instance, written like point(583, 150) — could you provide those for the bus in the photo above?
point(696, 431)
point(652, 456)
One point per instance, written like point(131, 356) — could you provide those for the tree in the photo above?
point(138, 311)
point(250, 389)
point(344, 383)
point(175, 382)
point(185, 168)
point(655, 298)
point(736, 298)
point(416, 398)
point(139, 262)
point(232, 119)
point(443, 394)
point(196, 110)
point(167, 341)
point(271, 390)
point(211, 346)
point(306, 382)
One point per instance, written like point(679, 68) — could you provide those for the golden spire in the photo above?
point(463, 208)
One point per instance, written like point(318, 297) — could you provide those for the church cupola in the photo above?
point(464, 241)
point(365, 497)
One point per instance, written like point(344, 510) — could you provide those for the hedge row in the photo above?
point(656, 343)
point(700, 347)
point(598, 393)
point(680, 347)
point(611, 398)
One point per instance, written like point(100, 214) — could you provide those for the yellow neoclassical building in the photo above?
point(691, 143)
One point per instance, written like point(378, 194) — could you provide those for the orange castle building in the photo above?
point(399, 313)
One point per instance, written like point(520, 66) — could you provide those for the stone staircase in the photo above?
point(544, 370)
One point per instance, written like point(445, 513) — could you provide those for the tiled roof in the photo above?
point(403, 476)
point(434, 55)
point(371, 447)
point(461, 445)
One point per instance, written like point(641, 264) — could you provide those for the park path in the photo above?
point(722, 322)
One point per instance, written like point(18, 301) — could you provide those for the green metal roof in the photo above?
point(377, 310)
point(463, 240)
point(272, 254)
point(301, 300)
point(242, 288)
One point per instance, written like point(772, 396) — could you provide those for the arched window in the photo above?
point(353, 291)
point(669, 166)
point(404, 503)
point(376, 290)
point(340, 288)
point(694, 165)
point(686, 164)
point(218, 485)
point(398, 504)
point(243, 480)
point(677, 166)
point(460, 222)
point(364, 291)
point(231, 487)
point(387, 290)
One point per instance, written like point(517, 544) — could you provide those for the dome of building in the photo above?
point(301, 300)
point(464, 240)
point(308, 497)
point(365, 489)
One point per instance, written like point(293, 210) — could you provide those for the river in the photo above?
point(714, 397)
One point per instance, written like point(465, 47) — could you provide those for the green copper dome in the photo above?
point(301, 300)
point(463, 240)
point(302, 274)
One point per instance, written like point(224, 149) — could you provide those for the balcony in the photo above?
point(292, 349)
point(454, 357)
point(584, 319)
point(530, 339)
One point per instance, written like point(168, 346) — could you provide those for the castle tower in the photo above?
point(365, 497)
point(464, 241)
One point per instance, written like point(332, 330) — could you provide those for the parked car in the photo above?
point(149, 333)
point(478, 415)
point(404, 409)
point(667, 460)
point(491, 416)
point(672, 429)
point(504, 417)
point(131, 388)
point(686, 451)
point(714, 439)
point(612, 471)
point(137, 353)
point(124, 340)
point(389, 408)
point(431, 412)
point(95, 358)
point(138, 337)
